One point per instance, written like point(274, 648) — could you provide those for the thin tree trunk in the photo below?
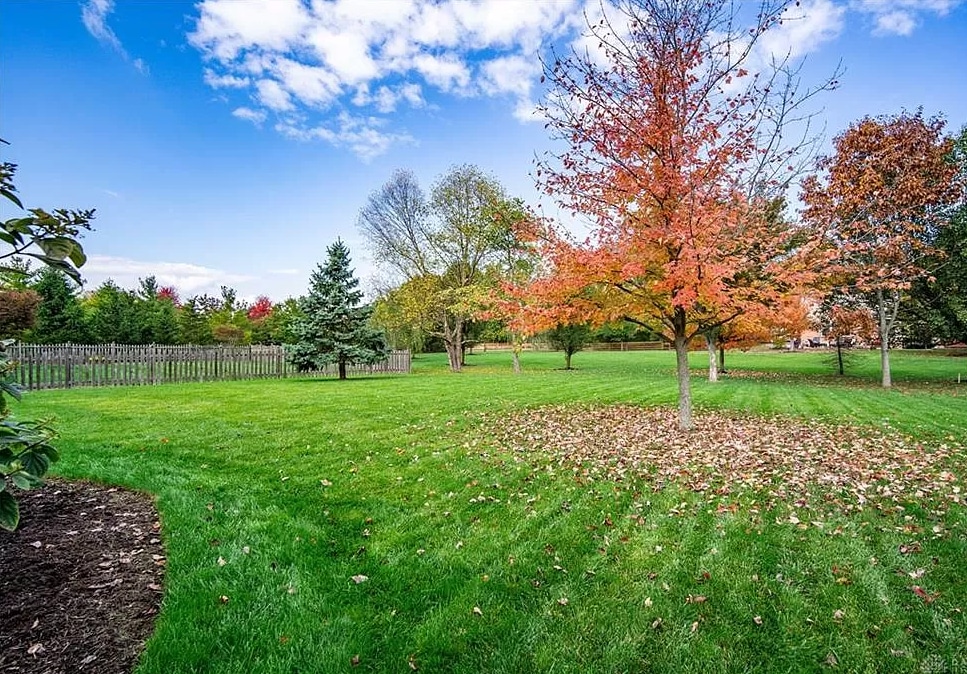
point(567, 359)
point(684, 385)
point(722, 369)
point(713, 363)
point(887, 379)
point(516, 360)
point(342, 369)
point(839, 355)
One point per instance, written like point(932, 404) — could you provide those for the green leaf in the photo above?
point(25, 480)
point(35, 463)
point(11, 196)
point(57, 247)
point(77, 255)
point(11, 390)
point(9, 511)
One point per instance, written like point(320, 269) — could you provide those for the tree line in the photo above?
point(48, 307)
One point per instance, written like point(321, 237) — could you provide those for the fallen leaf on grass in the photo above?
point(737, 454)
point(221, 561)
point(927, 597)
point(648, 602)
point(354, 661)
point(562, 601)
point(696, 599)
point(325, 483)
point(359, 578)
point(223, 599)
point(477, 611)
point(757, 620)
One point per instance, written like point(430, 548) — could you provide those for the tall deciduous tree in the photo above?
point(18, 311)
point(335, 328)
point(446, 241)
point(882, 196)
point(938, 306)
point(673, 134)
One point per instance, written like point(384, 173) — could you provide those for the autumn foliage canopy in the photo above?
point(672, 155)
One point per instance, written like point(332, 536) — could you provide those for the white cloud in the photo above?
point(285, 272)
point(901, 17)
point(94, 15)
point(362, 135)
point(305, 61)
point(189, 279)
point(250, 115)
point(804, 28)
point(272, 95)
point(216, 81)
point(447, 72)
point(227, 27)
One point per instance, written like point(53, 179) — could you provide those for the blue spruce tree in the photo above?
point(335, 328)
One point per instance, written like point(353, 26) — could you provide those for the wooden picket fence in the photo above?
point(45, 366)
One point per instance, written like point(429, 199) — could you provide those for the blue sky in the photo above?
point(230, 141)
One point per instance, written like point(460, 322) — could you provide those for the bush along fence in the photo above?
point(43, 366)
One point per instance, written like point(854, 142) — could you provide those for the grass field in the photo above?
point(475, 563)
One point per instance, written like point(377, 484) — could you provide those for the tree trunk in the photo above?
point(713, 363)
point(839, 355)
point(684, 386)
point(567, 359)
point(516, 360)
point(342, 369)
point(722, 359)
point(887, 379)
point(453, 340)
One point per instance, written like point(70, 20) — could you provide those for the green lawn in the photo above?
point(301, 484)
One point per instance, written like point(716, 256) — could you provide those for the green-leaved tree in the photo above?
point(335, 328)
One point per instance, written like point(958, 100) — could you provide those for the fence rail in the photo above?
point(628, 346)
point(44, 366)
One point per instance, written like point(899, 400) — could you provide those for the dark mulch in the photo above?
point(80, 580)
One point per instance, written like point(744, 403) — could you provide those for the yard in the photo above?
point(486, 522)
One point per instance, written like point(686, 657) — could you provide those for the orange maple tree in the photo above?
point(673, 153)
point(881, 196)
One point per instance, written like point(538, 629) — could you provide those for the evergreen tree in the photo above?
point(193, 324)
point(112, 315)
point(157, 315)
point(60, 316)
point(335, 329)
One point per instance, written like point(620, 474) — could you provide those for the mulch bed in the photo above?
point(80, 580)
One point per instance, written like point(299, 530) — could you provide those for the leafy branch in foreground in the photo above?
point(25, 449)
